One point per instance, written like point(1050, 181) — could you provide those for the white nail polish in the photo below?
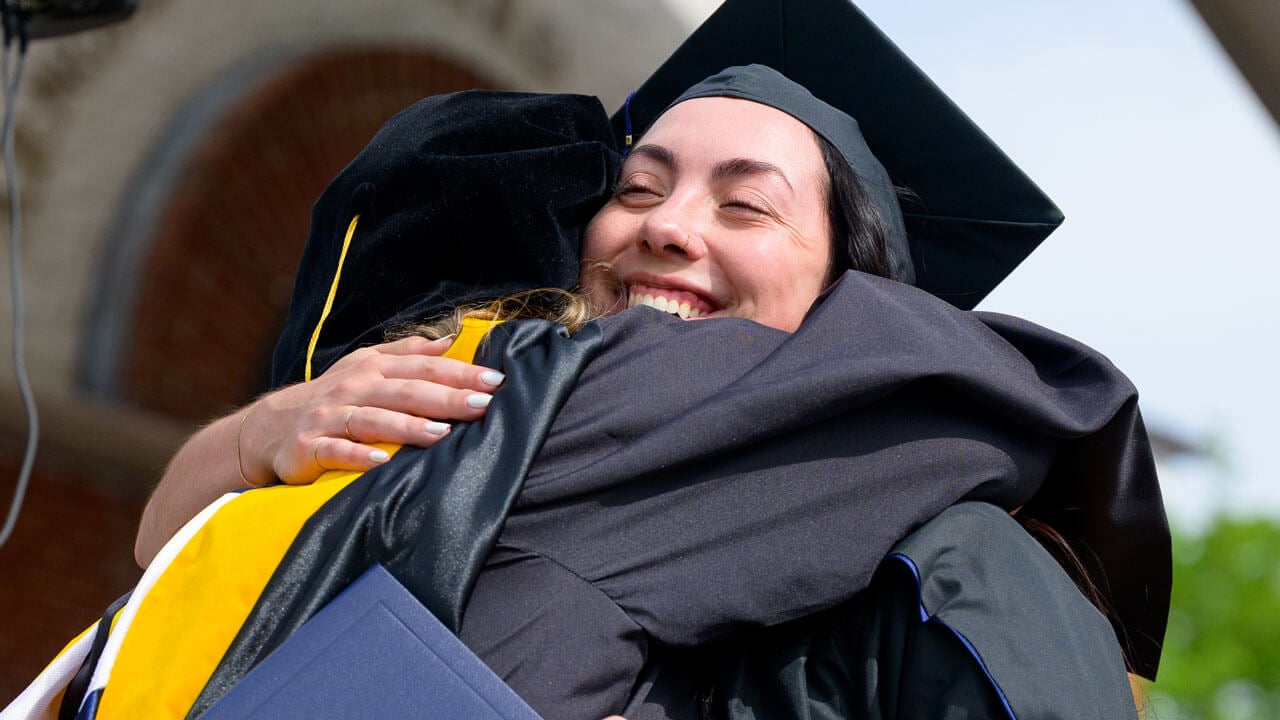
point(379, 456)
point(479, 400)
point(437, 428)
point(492, 377)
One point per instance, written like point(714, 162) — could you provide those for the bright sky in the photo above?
point(1168, 169)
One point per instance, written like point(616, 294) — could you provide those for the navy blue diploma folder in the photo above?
point(373, 652)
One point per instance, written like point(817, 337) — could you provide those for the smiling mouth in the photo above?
point(682, 304)
point(661, 303)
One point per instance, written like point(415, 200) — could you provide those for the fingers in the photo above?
point(336, 454)
point(374, 424)
point(347, 451)
point(400, 392)
point(415, 345)
point(427, 387)
point(371, 424)
point(416, 358)
point(428, 400)
point(445, 371)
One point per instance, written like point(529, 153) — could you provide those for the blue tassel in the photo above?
point(626, 121)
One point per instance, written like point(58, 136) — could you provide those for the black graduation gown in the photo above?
point(702, 480)
point(968, 617)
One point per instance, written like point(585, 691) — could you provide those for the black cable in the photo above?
point(15, 27)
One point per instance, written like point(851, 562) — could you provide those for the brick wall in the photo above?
point(70, 555)
point(217, 279)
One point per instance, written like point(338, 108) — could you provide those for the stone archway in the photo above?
point(218, 254)
point(136, 144)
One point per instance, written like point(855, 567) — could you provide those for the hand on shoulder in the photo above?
point(401, 392)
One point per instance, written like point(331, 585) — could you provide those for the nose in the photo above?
point(673, 230)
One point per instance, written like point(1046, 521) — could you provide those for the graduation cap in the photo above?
point(458, 199)
point(970, 214)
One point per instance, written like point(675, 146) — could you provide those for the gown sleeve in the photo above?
point(712, 477)
point(968, 617)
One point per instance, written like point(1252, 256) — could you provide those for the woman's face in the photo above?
point(720, 211)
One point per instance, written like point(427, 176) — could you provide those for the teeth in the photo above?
point(682, 309)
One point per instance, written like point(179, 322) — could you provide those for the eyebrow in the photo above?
point(656, 153)
point(738, 167)
point(735, 167)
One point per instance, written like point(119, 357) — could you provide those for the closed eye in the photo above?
point(635, 189)
point(748, 205)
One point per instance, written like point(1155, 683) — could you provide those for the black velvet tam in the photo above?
point(971, 215)
point(461, 197)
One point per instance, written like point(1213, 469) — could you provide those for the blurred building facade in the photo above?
point(168, 165)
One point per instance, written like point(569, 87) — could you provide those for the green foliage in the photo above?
point(1222, 652)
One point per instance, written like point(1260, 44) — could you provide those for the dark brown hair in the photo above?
point(859, 240)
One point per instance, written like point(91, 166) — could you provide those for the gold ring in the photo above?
point(315, 455)
point(346, 425)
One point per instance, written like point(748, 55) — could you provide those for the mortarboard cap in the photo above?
point(970, 213)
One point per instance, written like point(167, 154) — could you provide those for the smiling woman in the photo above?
point(746, 198)
point(720, 209)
